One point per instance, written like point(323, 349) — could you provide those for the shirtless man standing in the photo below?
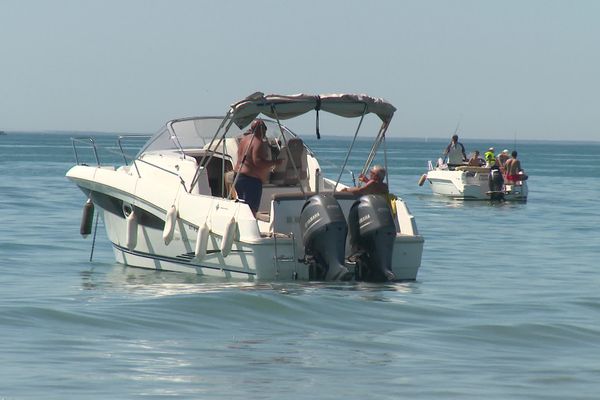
point(253, 166)
point(512, 168)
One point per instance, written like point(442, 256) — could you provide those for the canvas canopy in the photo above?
point(285, 107)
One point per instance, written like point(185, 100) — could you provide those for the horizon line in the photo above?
point(414, 138)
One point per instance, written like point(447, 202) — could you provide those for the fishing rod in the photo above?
point(457, 126)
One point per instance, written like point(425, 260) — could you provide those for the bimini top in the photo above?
point(285, 107)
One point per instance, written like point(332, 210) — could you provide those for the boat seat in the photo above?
point(284, 173)
point(473, 168)
point(263, 216)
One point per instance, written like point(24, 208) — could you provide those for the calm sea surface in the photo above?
point(506, 305)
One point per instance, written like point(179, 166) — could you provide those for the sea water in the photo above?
point(506, 304)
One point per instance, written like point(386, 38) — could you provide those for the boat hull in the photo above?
point(273, 258)
point(256, 253)
point(468, 185)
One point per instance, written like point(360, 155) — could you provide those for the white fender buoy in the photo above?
point(131, 232)
point(228, 237)
point(202, 241)
point(87, 218)
point(169, 229)
point(422, 179)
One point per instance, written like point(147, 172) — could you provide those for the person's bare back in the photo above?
point(512, 169)
point(512, 166)
point(255, 163)
point(253, 154)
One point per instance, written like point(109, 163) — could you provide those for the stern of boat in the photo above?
point(408, 244)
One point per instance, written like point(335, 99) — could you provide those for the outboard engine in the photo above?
point(496, 182)
point(372, 234)
point(324, 230)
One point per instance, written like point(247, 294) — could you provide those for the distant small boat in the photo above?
point(473, 183)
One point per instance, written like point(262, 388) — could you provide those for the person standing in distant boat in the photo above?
point(503, 158)
point(455, 152)
point(512, 168)
point(253, 166)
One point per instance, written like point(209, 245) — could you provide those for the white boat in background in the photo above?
point(473, 183)
point(172, 209)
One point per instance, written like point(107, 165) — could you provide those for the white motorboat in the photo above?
point(172, 207)
point(473, 183)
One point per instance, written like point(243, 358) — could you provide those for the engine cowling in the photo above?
point(372, 234)
point(324, 230)
point(496, 182)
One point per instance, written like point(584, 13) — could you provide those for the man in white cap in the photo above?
point(503, 157)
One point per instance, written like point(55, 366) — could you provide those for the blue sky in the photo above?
point(502, 68)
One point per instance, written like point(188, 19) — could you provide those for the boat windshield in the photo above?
point(188, 133)
point(197, 133)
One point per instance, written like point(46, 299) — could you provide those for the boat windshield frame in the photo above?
point(196, 133)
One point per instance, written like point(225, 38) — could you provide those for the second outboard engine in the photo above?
point(372, 234)
point(324, 230)
point(496, 182)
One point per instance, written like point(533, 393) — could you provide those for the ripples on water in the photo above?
point(506, 304)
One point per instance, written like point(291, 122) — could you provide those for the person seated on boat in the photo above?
point(513, 169)
point(490, 158)
point(503, 158)
point(253, 165)
point(476, 160)
point(373, 185)
point(455, 152)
